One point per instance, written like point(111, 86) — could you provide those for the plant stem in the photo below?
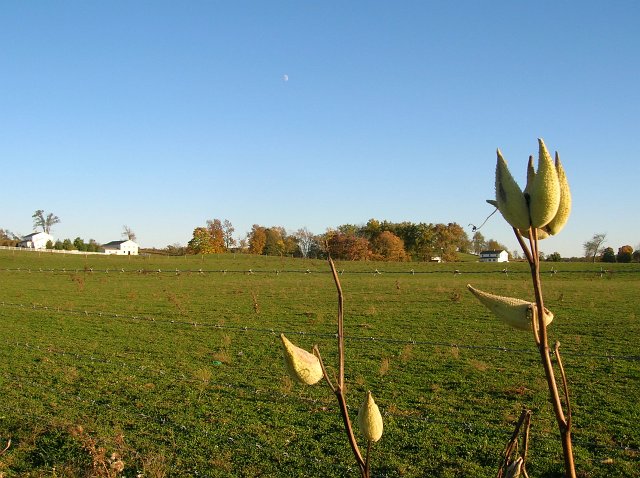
point(339, 388)
point(565, 430)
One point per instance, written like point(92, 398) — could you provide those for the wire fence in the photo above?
point(290, 332)
point(176, 271)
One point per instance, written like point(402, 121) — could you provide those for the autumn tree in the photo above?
point(46, 223)
point(594, 246)
point(201, 242)
point(625, 253)
point(257, 239)
point(348, 247)
point(274, 241)
point(493, 245)
point(7, 238)
point(387, 246)
point(216, 231)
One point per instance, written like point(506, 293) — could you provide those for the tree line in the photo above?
point(594, 249)
point(375, 240)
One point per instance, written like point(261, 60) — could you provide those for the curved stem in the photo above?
point(543, 346)
point(338, 390)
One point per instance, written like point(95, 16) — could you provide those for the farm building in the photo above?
point(121, 248)
point(494, 256)
point(36, 240)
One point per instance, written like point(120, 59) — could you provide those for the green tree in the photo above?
point(636, 256)
point(554, 257)
point(67, 245)
point(79, 244)
point(58, 245)
point(608, 255)
point(201, 242)
point(594, 246)
point(49, 244)
point(625, 254)
point(478, 243)
point(92, 246)
point(274, 242)
point(46, 223)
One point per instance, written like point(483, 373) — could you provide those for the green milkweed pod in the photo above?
point(542, 233)
point(370, 419)
point(301, 365)
point(509, 197)
point(564, 208)
point(531, 175)
point(517, 313)
point(544, 194)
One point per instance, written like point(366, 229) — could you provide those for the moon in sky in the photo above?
point(285, 78)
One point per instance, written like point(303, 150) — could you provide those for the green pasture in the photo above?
point(179, 372)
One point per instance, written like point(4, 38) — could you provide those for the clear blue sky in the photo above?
point(161, 115)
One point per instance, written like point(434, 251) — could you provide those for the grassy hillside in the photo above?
point(179, 372)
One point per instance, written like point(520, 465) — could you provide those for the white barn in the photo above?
point(121, 248)
point(494, 256)
point(36, 240)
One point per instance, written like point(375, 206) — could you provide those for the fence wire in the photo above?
point(277, 332)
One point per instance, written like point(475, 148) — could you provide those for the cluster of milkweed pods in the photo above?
point(304, 367)
point(545, 203)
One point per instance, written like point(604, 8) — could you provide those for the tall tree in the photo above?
point(201, 242)
point(348, 247)
point(227, 234)
point(594, 246)
point(274, 243)
point(216, 232)
point(608, 255)
point(388, 247)
point(128, 233)
point(478, 243)
point(46, 223)
point(257, 239)
point(306, 240)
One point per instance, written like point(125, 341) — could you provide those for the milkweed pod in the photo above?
point(370, 419)
point(531, 175)
point(514, 469)
point(564, 209)
point(542, 233)
point(517, 313)
point(301, 365)
point(511, 202)
point(544, 194)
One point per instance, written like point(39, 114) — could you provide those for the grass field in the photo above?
point(179, 372)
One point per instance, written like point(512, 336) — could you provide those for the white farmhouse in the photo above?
point(494, 256)
point(121, 248)
point(36, 240)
